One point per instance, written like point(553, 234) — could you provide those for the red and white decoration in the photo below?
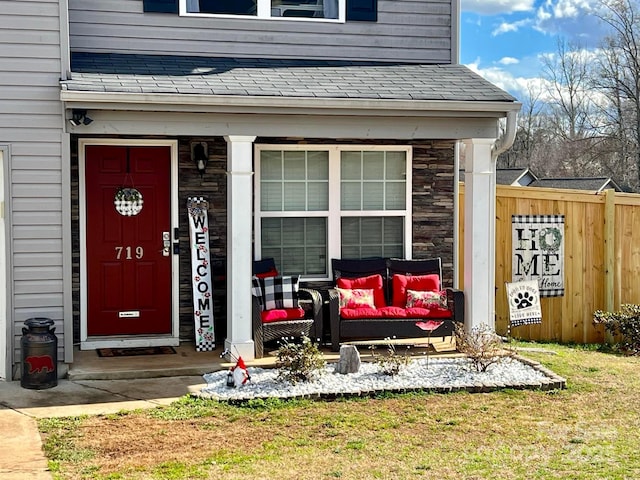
point(240, 373)
point(201, 273)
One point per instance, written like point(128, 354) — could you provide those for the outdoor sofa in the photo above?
point(405, 292)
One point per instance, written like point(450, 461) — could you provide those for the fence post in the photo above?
point(609, 253)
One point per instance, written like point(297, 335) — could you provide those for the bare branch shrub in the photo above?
point(481, 345)
point(393, 362)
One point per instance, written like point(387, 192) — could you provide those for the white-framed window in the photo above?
point(325, 10)
point(318, 202)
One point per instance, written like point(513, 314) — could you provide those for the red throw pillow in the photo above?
point(271, 273)
point(373, 282)
point(402, 283)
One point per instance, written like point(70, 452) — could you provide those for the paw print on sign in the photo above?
point(523, 300)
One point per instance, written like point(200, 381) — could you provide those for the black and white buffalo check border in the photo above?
point(544, 220)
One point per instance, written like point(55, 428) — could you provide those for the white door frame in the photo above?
point(90, 343)
point(6, 335)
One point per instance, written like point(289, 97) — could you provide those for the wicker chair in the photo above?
point(311, 325)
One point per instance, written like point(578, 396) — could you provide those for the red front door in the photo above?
point(128, 266)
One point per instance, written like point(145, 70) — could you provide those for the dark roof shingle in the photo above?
point(577, 183)
point(97, 72)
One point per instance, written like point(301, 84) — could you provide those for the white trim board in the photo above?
point(6, 336)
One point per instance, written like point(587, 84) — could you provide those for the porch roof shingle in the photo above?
point(132, 73)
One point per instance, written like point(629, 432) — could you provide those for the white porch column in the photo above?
point(479, 234)
point(239, 258)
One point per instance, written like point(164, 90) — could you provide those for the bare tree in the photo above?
point(521, 153)
point(570, 106)
point(587, 119)
point(618, 78)
point(566, 73)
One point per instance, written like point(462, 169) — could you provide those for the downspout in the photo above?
point(505, 142)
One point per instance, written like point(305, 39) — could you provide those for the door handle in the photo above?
point(166, 244)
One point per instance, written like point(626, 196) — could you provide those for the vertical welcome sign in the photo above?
point(538, 252)
point(197, 208)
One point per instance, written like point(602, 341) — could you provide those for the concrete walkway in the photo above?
point(21, 454)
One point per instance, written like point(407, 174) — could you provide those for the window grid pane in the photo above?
point(373, 180)
point(372, 237)
point(298, 245)
point(294, 180)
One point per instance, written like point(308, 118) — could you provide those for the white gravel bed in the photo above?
point(435, 374)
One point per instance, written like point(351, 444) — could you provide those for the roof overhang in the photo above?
point(283, 105)
point(180, 114)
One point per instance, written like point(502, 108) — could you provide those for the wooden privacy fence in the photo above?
point(601, 258)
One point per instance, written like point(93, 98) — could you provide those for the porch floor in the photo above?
point(88, 365)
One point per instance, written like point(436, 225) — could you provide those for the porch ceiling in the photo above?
point(189, 83)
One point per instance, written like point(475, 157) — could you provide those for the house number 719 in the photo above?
point(127, 252)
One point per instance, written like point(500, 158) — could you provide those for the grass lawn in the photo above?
point(591, 430)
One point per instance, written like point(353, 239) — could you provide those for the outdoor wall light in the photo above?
point(200, 156)
point(79, 117)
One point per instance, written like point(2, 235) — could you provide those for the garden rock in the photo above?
point(349, 360)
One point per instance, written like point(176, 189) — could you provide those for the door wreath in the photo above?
point(128, 201)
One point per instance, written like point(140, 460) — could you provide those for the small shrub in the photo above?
point(299, 362)
point(483, 347)
point(625, 323)
point(393, 362)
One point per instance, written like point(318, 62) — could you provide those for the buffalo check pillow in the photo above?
point(277, 292)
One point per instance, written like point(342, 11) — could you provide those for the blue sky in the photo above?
point(504, 39)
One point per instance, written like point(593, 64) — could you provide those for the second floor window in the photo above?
point(290, 9)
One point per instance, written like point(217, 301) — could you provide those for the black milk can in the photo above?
point(39, 347)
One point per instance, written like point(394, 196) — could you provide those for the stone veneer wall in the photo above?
point(212, 186)
point(433, 203)
point(433, 228)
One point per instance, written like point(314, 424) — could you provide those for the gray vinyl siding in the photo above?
point(406, 30)
point(31, 124)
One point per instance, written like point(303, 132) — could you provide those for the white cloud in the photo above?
point(571, 8)
point(542, 15)
point(519, 87)
point(494, 7)
point(505, 27)
point(573, 19)
point(508, 61)
point(523, 87)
